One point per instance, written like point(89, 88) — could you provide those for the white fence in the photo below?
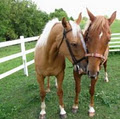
point(114, 46)
point(23, 53)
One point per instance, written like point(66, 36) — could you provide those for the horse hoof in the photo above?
point(74, 110)
point(47, 90)
point(63, 116)
point(42, 116)
point(91, 114)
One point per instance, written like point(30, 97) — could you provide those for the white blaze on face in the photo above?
point(77, 30)
point(100, 35)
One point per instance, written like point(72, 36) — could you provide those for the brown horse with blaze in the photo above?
point(97, 37)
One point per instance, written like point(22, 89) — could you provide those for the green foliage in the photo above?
point(58, 13)
point(83, 22)
point(20, 17)
point(115, 27)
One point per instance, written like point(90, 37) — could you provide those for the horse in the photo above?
point(59, 40)
point(97, 37)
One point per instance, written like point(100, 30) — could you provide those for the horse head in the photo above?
point(97, 38)
point(73, 45)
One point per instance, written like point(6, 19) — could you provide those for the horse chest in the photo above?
point(52, 70)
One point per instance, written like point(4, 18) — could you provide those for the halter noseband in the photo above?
point(95, 55)
point(75, 61)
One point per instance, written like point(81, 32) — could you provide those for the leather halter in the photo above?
point(96, 55)
point(75, 61)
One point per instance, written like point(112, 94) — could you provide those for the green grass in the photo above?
point(19, 95)
point(115, 26)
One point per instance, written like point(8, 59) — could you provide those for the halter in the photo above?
point(96, 55)
point(75, 61)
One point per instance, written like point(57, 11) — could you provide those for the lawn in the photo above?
point(19, 95)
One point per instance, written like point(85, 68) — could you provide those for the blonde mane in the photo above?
point(46, 31)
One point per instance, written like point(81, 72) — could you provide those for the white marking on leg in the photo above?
point(56, 85)
point(62, 111)
point(106, 77)
point(75, 106)
point(91, 109)
point(43, 106)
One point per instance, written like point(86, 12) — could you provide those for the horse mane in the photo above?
point(99, 24)
point(75, 28)
point(46, 31)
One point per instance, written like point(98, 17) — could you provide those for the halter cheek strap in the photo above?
point(75, 61)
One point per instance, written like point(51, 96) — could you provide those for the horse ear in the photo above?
point(112, 18)
point(79, 18)
point(64, 22)
point(92, 17)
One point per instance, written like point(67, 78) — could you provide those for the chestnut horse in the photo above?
point(97, 37)
point(58, 40)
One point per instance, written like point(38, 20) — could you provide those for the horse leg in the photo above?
point(40, 80)
point(77, 91)
point(60, 78)
point(48, 85)
point(56, 85)
point(92, 91)
point(105, 69)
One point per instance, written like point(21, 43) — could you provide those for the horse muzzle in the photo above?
point(93, 75)
point(79, 69)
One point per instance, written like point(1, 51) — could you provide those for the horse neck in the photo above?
point(51, 48)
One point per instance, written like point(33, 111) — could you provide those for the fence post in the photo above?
point(24, 55)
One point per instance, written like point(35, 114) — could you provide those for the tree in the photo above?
point(20, 17)
point(59, 13)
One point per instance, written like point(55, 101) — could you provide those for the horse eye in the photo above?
point(74, 44)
